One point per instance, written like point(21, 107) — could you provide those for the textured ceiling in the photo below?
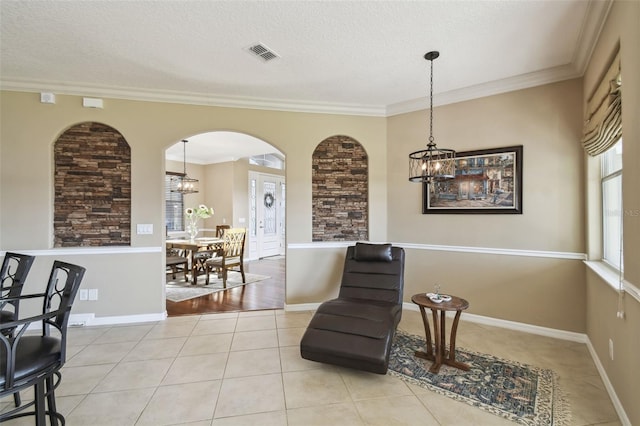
point(350, 57)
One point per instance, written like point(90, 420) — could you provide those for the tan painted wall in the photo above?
point(29, 129)
point(552, 219)
point(219, 193)
point(623, 27)
point(546, 120)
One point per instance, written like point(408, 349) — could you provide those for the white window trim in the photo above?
point(612, 277)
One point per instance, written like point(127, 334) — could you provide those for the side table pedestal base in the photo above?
point(437, 351)
point(435, 368)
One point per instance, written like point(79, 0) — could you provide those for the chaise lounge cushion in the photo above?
point(372, 252)
point(356, 329)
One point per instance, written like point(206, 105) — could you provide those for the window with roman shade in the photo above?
point(603, 120)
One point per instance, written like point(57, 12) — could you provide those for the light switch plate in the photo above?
point(144, 228)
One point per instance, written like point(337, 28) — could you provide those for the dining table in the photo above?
point(191, 249)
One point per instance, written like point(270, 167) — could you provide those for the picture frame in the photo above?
point(487, 181)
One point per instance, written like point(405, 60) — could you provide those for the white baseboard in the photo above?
point(518, 326)
point(80, 320)
point(512, 325)
point(301, 307)
point(624, 419)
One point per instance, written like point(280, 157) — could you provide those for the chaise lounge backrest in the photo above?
point(373, 272)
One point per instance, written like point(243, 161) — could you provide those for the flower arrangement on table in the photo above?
point(194, 215)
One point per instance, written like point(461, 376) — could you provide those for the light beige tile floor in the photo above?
point(246, 369)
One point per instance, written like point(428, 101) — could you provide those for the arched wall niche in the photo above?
point(340, 190)
point(92, 187)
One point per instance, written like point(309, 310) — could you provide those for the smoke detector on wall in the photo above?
point(262, 52)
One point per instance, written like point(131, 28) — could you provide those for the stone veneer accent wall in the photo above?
point(92, 184)
point(340, 191)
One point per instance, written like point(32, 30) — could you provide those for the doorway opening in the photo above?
point(237, 178)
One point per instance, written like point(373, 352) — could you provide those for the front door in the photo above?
point(266, 233)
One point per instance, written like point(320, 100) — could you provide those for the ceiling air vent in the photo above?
point(263, 52)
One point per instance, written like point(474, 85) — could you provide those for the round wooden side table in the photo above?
point(436, 352)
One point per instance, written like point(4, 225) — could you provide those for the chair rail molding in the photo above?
point(74, 251)
point(462, 249)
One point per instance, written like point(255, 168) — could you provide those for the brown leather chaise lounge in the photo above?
point(356, 329)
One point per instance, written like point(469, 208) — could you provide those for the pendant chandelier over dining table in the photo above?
point(432, 164)
point(183, 183)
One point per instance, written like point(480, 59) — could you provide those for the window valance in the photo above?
point(603, 121)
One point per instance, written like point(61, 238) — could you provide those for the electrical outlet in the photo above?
point(611, 349)
point(93, 294)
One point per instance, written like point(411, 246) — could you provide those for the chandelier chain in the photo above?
point(184, 156)
point(431, 105)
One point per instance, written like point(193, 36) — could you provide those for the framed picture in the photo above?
point(487, 181)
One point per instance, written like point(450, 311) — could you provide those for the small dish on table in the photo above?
point(438, 298)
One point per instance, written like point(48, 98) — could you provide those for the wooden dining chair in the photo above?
point(177, 261)
point(220, 230)
point(232, 255)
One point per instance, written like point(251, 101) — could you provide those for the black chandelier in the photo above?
point(183, 183)
point(432, 164)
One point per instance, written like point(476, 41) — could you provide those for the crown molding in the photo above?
point(496, 87)
point(593, 23)
point(188, 98)
point(524, 81)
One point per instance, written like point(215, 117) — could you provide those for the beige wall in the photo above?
point(219, 192)
point(546, 120)
point(29, 129)
point(543, 119)
point(623, 27)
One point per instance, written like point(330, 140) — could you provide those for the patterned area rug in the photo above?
point(179, 291)
point(521, 393)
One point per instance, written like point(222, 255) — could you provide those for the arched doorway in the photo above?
point(226, 165)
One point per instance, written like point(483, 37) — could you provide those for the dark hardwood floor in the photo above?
point(265, 294)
